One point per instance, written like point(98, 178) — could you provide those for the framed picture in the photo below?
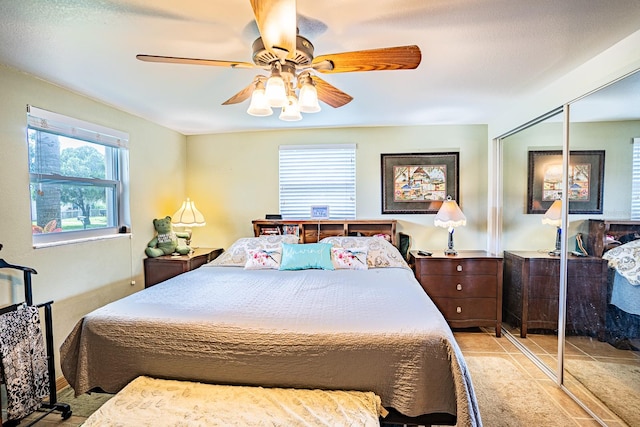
point(586, 178)
point(418, 183)
point(291, 229)
point(320, 212)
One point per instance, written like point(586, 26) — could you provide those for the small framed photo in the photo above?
point(320, 212)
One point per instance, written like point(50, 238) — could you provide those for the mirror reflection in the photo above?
point(606, 361)
point(529, 240)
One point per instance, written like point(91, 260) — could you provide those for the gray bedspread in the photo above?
point(372, 330)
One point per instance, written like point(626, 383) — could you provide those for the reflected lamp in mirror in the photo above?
point(450, 216)
point(188, 216)
point(553, 216)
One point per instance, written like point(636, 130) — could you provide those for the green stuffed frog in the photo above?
point(166, 241)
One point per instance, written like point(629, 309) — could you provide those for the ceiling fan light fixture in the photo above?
point(291, 111)
point(276, 90)
point(308, 101)
point(259, 105)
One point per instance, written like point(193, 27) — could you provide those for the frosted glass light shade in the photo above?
point(308, 99)
point(276, 91)
point(259, 105)
point(291, 112)
point(553, 215)
point(188, 216)
point(449, 215)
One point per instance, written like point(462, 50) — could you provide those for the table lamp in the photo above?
point(450, 216)
point(553, 216)
point(188, 216)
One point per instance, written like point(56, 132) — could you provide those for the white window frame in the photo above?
point(42, 120)
point(635, 180)
point(317, 175)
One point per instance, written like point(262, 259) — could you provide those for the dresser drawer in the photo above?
point(478, 286)
point(466, 308)
point(462, 266)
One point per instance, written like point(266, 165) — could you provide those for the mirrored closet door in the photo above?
point(531, 274)
point(604, 357)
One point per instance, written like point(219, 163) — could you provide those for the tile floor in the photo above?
point(478, 343)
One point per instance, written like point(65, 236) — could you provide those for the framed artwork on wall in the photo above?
point(418, 183)
point(586, 181)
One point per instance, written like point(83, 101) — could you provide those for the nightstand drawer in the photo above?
point(467, 308)
point(462, 266)
point(478, 286)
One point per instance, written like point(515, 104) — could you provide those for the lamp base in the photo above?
point(555, 252)
point(450, 251)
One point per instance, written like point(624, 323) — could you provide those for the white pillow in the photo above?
point(380, 252)
point(262, 259)
point(236, 255)
point(349, 258)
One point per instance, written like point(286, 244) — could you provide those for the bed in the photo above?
point(619, 243)
point(364, 325)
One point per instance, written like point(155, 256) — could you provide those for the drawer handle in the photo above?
point(459, 268)
point(458, 309)
point(459, 287)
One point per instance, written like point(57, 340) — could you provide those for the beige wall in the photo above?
point(234, 178)
point(80, 277)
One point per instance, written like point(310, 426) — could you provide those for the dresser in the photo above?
point(532, 289)
point(161, 268)
point(466, 288)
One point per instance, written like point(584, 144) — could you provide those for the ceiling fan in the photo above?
point(289, 57)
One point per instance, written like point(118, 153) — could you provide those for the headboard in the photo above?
point(600, 228)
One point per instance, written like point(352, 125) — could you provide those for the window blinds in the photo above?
point(312, 175)
point(635, 182)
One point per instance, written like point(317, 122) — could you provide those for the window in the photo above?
point(318, 175)
point(635, 181)
point(78, 178)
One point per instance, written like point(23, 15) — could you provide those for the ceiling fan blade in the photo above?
point(194, 61)
point(391, 58)
point(276, 21)
point(241, 96)
point(330, 94)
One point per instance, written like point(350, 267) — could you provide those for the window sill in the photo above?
point(81, 240)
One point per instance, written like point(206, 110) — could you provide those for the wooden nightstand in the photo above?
point(466, 288)
point(532, 289)
point(161, 268)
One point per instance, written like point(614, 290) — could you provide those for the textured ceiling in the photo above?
point(477, 55)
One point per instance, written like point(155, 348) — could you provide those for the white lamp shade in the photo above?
point(188, 216)
point(308, 101)
point(449, 215)
point(291, 112)
point(553, 215)
point(276, 91)
point(259, 105)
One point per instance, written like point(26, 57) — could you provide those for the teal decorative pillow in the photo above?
point(302, 257)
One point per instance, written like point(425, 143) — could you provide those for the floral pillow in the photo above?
point(236, 255)
point(349, 259)
point(380, 252)
point(261, 259)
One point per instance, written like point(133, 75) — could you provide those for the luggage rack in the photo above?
point(52, 405)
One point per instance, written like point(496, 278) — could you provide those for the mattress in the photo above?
point(364, 330)
point(624, 295)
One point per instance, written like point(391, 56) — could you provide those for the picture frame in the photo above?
point(586, 181)
point(418, 183)
point(320, 212)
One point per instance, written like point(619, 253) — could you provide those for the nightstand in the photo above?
point(532, 290)
point(466, 288)
point(161, 268)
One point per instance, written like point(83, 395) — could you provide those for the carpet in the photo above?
point(83, 405)
point(508, 397)
point(616, 384)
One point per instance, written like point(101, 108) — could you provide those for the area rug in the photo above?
point(83, 405)
point(616, 384)
point(508, 397)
